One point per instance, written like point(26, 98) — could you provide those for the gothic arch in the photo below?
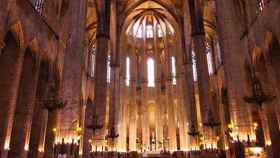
point(163, 3)
point(170, 15)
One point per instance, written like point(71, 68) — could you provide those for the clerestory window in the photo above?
point(151, 72)
point(127, 79)
point(173, 70)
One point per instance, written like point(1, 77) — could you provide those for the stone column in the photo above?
point(115, 80)
point(172, 125)
point(199, 47)
point(145, 124)
point(100, 88)
point(143, 96)
point(181, 107)
point(273, 128)
point(269, 84)
point(37, 135)
point(133, 104)
point(10, 63)
point(233, 56)
point(87, 132)
point(25, 106)
point(38, 126)
point(159, 91)
point(51, 131)
point(188, 85)
point(69, 117)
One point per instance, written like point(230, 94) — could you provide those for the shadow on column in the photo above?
point(24, 109)
point(10, 68)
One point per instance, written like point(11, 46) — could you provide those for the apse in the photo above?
point(153, 118)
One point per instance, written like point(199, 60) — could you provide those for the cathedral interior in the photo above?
point(139, 79)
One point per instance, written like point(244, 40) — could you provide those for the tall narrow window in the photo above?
point(151, 72)
point(39, 5)
point(218, 54)
point(160, 33)
point(92, 61)
point(127, 71)
point(108, 69)
point(261, 4)
point(173, 70)
point(194, 66)
point(149, 31)
point(138, 29)
point(209, 58)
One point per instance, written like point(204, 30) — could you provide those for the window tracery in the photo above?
point(39, 5)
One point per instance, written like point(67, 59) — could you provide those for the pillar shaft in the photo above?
point(172, 125)
point(133, 103)
point(188, 89)
point(72, 77)
point(37, 135)
point(183, 104)
point(24, 109)
point(100, 88)
point(87, 132)
point(145, 124)
point(11, 63)
point(39, 119)
point(115, 84)
point(50, 134)
point(269, 85)
point(234, 58)
point(158, 111)
point(202, 76)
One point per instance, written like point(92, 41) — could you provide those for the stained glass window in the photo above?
point(173, 70)
point(127, 71)
point(151, 72)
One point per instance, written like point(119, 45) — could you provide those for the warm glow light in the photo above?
point(256, 150)
point(54, 130)
point(268, 143)
point(230, 126)
point(26, 147)
point(226, 147)
point(255, 125)
point(41, 149)
point(7, 143)
point(68, 139)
